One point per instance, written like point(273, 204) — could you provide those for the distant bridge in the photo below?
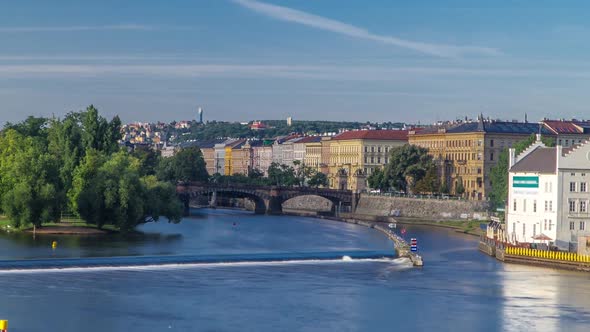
point(267, 199)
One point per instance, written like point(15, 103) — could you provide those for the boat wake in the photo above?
point(191, 261)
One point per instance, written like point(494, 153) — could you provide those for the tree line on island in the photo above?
point(74, 165)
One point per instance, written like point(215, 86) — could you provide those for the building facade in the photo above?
point(533, 188)
point(467, 151)
point(548, 194)
point(355, 154)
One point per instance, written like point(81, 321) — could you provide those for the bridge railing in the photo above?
point(254, 187)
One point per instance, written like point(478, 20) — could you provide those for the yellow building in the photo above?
point(313, 152)
point(355, 154)
point(468, 151)
point(238, 157)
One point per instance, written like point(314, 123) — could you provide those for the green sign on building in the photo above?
point(525, 182)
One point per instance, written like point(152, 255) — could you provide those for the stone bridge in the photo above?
point(267, 199)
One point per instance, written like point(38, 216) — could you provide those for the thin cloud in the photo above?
point(129, 27)
point(307, 72)
point(322, 23)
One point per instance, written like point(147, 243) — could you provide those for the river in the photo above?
point(458, 289)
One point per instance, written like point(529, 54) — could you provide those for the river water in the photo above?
point(458, 289)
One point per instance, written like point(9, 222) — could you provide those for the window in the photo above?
point(583, 187)
point(372, 149)
point(534, 229)
point(492, 156)
point(546, 206)
point(573, 174)
point(535, 206)
point(572, 225)
point(572, 204)
point(545, 224)
point(550, 205)
point(366, 160)
point(550, 186)
point(524, 205)
point(572, 186)
point(513, 228)
point(379, 160)
point(582, 225)
point(567, 142)
point(378, 149)
point(366, 149)
point(583, 206)
point(549, 224)
point(583, 174)
point(372, 160)
point(514, 205)
point(492, 143)
point(524, 230)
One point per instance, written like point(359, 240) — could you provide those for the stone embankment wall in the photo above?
point(307, 203)
point(432, 209)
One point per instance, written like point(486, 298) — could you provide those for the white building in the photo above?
point(532, 194)
point(548, 194)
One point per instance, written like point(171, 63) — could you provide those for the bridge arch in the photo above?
point(267, 199)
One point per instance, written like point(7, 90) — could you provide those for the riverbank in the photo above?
point(61, 228)
point(469, 227)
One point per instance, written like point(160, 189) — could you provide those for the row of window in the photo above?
point(573, 225)
point(581, 187)
point(372, 159)
point(546, 224)
point(372, 148)
point(548, 205)
point(463, 156)
point(576, 205)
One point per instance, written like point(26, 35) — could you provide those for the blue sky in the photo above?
point(373, 60)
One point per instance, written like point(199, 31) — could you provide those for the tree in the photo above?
point(499, 173)
point(149, 160)
point(377, 179)
point(281, 175)
point(459, 187)
point(429, 183)
point(318, 179)
point(109, 191)
point(407, 165)
point(29, 177)
point(188, 165)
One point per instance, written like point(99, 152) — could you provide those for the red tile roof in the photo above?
point(563, 127)
point(399, 135)
point(309, 139)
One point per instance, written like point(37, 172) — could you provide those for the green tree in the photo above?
point(318, 179)
point(459, 187)
point(29, 177)
point(188, 165)
point(499, 173)
point(149, 160)
point(377, 179)
point(111, 192)
point(430, 182)
point(407, 165)
point(281, 175)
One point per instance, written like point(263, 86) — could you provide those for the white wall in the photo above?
point(524, 222)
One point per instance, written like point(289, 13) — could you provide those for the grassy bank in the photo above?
point(470, 227)
point(60, 227)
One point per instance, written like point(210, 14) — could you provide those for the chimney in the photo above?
point(511, 158)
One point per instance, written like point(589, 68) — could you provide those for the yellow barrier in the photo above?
point(3, 325)
point(554, 255)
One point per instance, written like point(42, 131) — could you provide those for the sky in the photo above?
point(372, 60)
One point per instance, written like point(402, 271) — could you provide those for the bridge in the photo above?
point(267, 199)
